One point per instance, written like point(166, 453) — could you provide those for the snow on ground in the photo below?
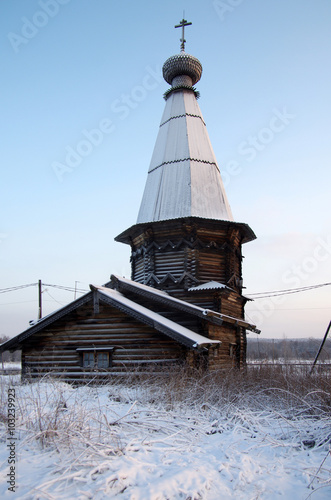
point(11, 365)
point(128, 443)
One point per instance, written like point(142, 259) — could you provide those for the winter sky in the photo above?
point(81, 102)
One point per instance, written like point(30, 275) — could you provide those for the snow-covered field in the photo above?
point(188, 439)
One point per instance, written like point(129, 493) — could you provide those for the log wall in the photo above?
point(177, 256)
point(231, 353)
point(136, 346)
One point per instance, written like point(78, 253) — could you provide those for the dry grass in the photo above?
point(270, 386)
point(56, 414)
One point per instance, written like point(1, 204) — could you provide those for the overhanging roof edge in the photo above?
point(164, 297)
point(125, 236)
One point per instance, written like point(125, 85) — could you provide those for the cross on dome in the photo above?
point(182, 25)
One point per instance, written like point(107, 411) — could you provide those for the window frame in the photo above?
point(90, 359)
point(92, 354)
point(102, 365)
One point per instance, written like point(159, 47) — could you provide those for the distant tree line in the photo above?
point(9, 356)
point(287, 349)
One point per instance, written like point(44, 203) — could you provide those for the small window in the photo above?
point(103, 360)
point(96, 358)
point(88, 359)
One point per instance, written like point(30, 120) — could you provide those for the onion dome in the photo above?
point(182, 65)
point(182, 71)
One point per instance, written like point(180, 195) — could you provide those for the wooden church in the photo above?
point(184, 302)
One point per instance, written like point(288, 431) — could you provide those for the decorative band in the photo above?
point(182, 116)
point(181, 87)
point(183, 159)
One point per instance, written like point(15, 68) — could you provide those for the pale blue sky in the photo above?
point(73, 66)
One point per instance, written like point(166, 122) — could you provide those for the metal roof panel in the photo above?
point(183, 179)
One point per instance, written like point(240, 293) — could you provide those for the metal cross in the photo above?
point(182, 24)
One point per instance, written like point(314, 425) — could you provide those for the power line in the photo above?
point(67, 288)
point(20, 302)
point(14, 288)
point(51, 296)
point(288, 291)
point(20, 287)
point(41, 290)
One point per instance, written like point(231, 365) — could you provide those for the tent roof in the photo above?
point(183, 178)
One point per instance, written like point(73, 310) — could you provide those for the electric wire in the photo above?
point(67, 288)
point(51, 296)
point(14, 288)
point(288, 291)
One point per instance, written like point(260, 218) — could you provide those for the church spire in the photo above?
point(184, 179)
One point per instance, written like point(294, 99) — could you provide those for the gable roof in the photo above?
point(125, 284)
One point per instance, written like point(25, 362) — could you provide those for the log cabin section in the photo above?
point(123, 328)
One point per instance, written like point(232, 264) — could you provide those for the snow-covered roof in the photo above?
point(161, 296)
point(155, 293)
point(211, 285)
point(164, 325)
point(139, 286)
point(183, 178)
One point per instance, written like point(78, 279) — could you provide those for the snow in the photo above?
point(133, 442)
point(211, 285)
point(141, 286)
point(11, 365)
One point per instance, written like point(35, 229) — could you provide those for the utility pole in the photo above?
point(320, 349)
point(39, 300)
